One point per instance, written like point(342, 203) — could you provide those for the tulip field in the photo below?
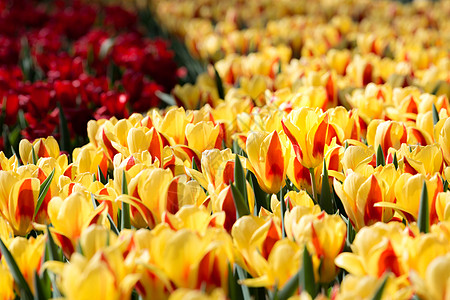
point(203, 149)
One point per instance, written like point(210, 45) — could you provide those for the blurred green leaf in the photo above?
point(219, 84)
point(307, 281)
point(379, 292)
point(240, 179)
point(39, 293)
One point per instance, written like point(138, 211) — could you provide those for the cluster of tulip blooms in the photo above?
point(274, 177)
point(90, 59)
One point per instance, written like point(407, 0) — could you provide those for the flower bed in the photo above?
point(310, 160)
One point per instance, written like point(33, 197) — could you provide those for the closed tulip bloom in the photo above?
point(426, 160)
point(71, 216)
point(28, 255)
point(203, 136)
point(22, 203)
point(408, 190)
point(269, 160)
point(386, 134)
point(359, 194)
point(42, 148)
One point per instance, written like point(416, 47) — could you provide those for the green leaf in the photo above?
point(38, 287)
point(435, 115)
point(395, 161)
point(240, 179)
point(289, 288)
point(241, 207)
point(25, 292)
point(445, 186)
point(241, 275)
point(33, 156)
point(63, 131)
point(326, 199)
point(126, 223)
point(379, 292)
point(194, 164)
point(105, 48)
point(219, 84)
point(52, 247)
point(234, 289)
point(168, 99)
point(380, 157)
point(43, 190)
point(261, 198)
point(111, 221)
point(423, 221)
point(101, 176)
point(307, 281)
point(351, 233)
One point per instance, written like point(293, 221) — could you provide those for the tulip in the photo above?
point(436, 284)
point(71, 216)
point(268, 159)
point(376, 250)
point(42, 148)
point(172, 124)
point(28, 254)
point(21, 205)
point(408, 190)
point(364, 287)
point(103, 276)
point(386, 134)
point(6, 284)
point(359, 195)
point(325, 237)
point(203, 136)
point(426, 160)
point(180, 294)
point(309, 131)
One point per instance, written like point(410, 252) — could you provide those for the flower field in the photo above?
point(202, 149)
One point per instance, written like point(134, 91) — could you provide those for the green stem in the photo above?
point(283, 210)
point(313, 185)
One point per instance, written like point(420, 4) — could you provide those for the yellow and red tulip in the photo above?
point(268, 158)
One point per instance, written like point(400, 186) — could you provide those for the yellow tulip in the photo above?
point(71, 216)
point(172, 124)
point(6, 284)
point(42, 148)
point(377, 249)
point(437, 280)
point(359, 194)
point(365, 287)
point(443, 206)
point(104, 276)
point(203, 136)
point(309, 131)
point(28, 254)
point(21, 205)
point(386, 134)
point(325, 237)
point(426, 160)
point(269, 159)
point(408, 190)
point(188, 294)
